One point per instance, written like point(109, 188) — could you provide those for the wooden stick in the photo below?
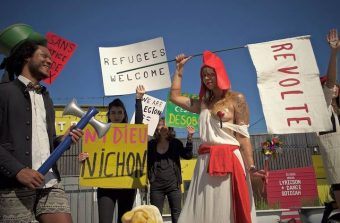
point(168, 61)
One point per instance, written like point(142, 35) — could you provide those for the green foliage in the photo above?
point(262, 204)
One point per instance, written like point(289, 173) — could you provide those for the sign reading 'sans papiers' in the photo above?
point(61, 51)
point(117, 61)
point(180, 118)
point(117, 160)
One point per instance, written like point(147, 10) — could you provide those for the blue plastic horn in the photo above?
point(65, 144)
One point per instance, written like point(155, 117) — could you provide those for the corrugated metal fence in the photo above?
point(297, 151)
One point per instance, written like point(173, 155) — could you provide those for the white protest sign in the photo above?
point(289, 86)
point(152, 109)
point(117, 61)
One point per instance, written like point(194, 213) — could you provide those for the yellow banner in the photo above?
point(118, 160)
point(318, 167)
point(188, 167)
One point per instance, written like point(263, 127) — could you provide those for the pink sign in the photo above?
point(61, 51)
point(292, 187)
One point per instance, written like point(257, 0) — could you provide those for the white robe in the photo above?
point(209, 199)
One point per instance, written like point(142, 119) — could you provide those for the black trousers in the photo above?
point(174, 195)
point(107, 199)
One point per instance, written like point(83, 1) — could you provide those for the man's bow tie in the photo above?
point(35, 87)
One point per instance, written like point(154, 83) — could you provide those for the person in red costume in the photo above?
point(220, 189)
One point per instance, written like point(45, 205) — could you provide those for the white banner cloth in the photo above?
point(289, 86)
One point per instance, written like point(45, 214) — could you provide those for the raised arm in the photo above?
point(334, 43)
point(140, 91)
point(187, 151)
point(187, 103)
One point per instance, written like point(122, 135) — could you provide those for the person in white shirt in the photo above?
point(27, 137)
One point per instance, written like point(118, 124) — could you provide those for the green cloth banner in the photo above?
point(178, 117)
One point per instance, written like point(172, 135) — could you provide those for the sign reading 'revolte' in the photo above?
point(125, 67)
point(289, 86)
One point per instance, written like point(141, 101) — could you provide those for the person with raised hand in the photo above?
point(329, 142)
point(164, 167)
point(220, 187)
point(123, 197)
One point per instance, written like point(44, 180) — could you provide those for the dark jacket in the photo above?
point(139, 112)
point(175, 151)
point(16, 131)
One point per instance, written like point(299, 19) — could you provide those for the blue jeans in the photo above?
point(174, 196)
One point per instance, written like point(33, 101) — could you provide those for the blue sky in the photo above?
point(188, 27)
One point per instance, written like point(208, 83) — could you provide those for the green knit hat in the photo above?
point(12, 36)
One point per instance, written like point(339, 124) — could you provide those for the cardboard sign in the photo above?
point(180, 118)
point(152, 109)
point(120, 59)
point(118, 160)
point(61, 51)
point(289, 86)
point(294, 187)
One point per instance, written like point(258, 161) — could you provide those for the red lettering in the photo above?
point(143, 135)
point(290, 92)
point(132, 135)
point(305, 107)
point(285, 56)
point(126, 133)
point(104, 139)
point(294, 80)
point(287, 70)
point(297, 120)
point(286, 46)
point(117, 135)
point(92, 136)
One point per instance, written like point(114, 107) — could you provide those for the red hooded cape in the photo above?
point(213, 61)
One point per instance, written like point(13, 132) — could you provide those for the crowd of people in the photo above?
point(220, 187)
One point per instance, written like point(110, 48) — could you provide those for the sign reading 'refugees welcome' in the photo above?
point(117, 61)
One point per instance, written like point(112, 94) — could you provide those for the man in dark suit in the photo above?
point(27, 137)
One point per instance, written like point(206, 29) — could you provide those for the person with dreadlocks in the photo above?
point(27, 133)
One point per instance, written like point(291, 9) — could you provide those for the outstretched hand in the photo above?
point(191, 130)
point(83, 156)
point(181, 59)
point(140, 91)
point(333, 39)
